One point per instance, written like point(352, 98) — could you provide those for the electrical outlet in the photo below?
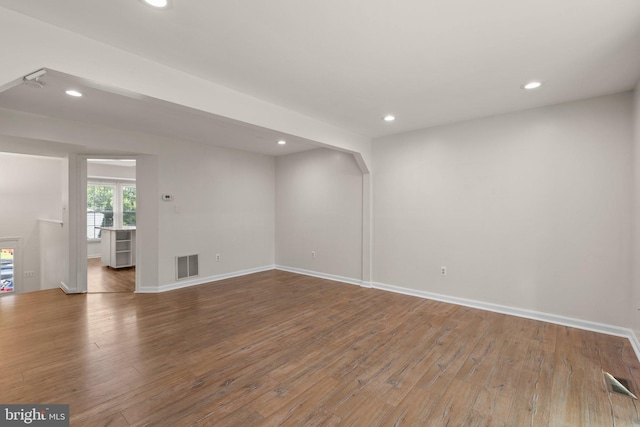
point(217, 257)
point(443, 271)
point(29, 274)
point(313, 254)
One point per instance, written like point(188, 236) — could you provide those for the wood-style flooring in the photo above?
point(107, 279)
point(276, 348)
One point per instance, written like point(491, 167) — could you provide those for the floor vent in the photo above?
point(186, 266)
point(618, 385)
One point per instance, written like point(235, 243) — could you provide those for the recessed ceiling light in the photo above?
point(282, 142)
point(531, 85)
point(72, 92)
point(389, 118)
point(160, 4)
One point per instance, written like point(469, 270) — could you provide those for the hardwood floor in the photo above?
point(106, 279)
point(277, 348)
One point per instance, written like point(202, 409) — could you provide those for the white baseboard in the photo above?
point(633, 339)
point(67, 290)
point(94, 256)
point(520, 312)
point(201, 280)
point(333, 277)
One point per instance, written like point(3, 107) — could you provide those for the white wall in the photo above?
point(225, 200)
point(107, 171)
point(319, 208)
point(226, 197)
point(148, 221)
point(102, 65)
point(634, 302)
point(30, 188)
point(529, 210)
point(94, 249)
point(52, 242)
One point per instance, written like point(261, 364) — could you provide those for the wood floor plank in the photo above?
point(235, 401)
point(344, 408)
point(371, 412)
point(532, 401)
point(107, 420)
point(403, 379)
point(284, 393)
point(107, 279)
point(144, 398)
point(454, 405)
point(413, 410)
point(11, 379)
point(575, 377)
point(244, 416)
point(493, 405)
point(303, 408)
point(277, 348)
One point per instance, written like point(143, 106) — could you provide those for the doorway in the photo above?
point(111, 225)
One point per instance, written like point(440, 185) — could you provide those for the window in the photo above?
point(6, 264)
point(10, 265)
point(110, 204)
point(99, 208)
point(128, 205)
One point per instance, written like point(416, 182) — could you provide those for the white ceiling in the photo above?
point(349, 62)
point(135, 113)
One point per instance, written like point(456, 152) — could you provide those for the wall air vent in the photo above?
point(618, 385)
point(186, 266)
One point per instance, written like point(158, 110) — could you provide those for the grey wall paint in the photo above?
point(225, 205)
point(30, 189)
point(319, 208)
point(529, 210)
point(634, 301)
point(110, 171)
point(226, 199)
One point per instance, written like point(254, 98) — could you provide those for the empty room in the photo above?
point(320, 213)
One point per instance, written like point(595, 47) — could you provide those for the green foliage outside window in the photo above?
point(100, 207)
point(128, 206)
point(100, 198)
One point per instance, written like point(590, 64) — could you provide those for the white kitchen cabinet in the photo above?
point(118, 247)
